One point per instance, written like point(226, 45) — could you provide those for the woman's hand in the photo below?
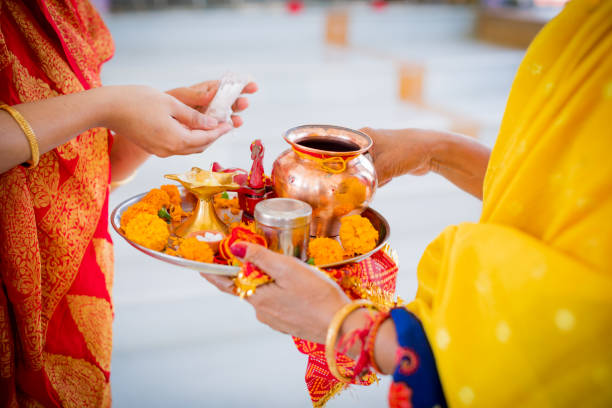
point(301, 301)
point(460, 159)
point(159, 123)
point(399, 152)
point(200, 95)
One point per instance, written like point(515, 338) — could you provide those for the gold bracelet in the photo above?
point(332, 335)
point(27, 130)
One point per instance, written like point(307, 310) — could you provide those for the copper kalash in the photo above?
point(326, 167)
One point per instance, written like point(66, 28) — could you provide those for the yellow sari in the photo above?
point(518, 307)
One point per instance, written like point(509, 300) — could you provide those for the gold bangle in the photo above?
point(332, 335)
point(27, 130)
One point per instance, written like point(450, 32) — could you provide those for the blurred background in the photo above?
point(444, 65)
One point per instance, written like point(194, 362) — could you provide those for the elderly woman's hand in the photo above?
point(301, 301)
point(460, 159)
point(200, 95)
point(399, 152)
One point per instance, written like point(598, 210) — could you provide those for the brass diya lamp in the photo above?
point(326, 168)
point(204, 184)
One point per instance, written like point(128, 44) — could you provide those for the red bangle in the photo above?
point(371, 339)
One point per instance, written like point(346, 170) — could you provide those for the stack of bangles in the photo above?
point(365, 335)
point(27, 131)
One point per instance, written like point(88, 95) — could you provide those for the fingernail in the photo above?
point(210, 121)
point(239, 249)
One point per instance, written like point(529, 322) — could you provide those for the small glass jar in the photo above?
point(285, 223)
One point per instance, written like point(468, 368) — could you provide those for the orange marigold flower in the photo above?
point(176, 212)
point(357, 234)
point(325, 251)
point(230, 203)
point(158, 197)
point(196, 250)
point(149, 231)
point(173, 193)
point(170, 251)
point(134, 210)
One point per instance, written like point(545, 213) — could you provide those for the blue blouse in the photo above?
point(415, 381)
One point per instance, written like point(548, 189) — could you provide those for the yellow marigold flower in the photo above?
point(149, 231)
point(357, 234)
point(173, 193)
point(325, 251)
point(134, 210)
point(159, 198)
point(196, 250)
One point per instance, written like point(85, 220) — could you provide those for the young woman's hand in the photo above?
point(159, 123)
point(200, 95)
point(301, 301)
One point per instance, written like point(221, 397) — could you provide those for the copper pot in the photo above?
point(326, 168)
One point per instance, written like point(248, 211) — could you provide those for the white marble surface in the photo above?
point(177, 341)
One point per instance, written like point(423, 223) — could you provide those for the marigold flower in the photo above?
point(357, 234)
point(176, 212)
point(223, 202)
point(170, 251)
point(196, 250)
point(158, 197)
point(149, 231)
point(173, 193)
point(325, 251)
point(134, 210)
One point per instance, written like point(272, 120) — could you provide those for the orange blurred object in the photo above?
point(336, 28)
point(410, 82)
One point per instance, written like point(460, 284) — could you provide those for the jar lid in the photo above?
point(283, 212)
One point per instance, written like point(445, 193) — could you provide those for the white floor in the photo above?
point(177, 341)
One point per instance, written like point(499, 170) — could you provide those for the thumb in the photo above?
point(193, 119)
point(275, 265)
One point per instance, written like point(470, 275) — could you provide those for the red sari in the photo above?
point(55, 249)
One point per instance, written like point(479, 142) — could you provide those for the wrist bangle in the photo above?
point(332, 335)
point(27, 130)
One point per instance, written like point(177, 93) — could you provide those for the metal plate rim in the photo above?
point(226, 270)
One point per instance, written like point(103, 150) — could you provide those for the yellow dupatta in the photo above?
point(518, 308)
